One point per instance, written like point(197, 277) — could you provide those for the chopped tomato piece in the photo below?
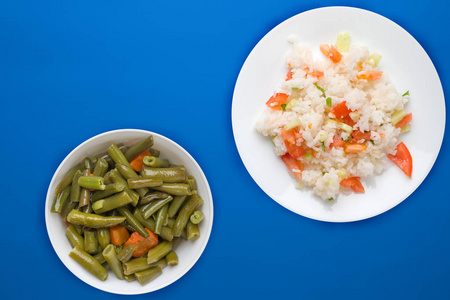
point(337, 143)
point(358, 135)
point(402, 159)
point(290, 138)
point(355, 148)
point(289, 76)
point(276, 101)
point(294, 165)
point(406, 119)
point(316, 73)
point(331, 52)
point(370, 75)
point(341, 110)
point(354, 183)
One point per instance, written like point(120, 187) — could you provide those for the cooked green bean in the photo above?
point(91, 220)
point(175, 205)
point(159, 251)
point(76, 189)
point(192, 231)
point(139, 147)
point(67, 179)
point(170, 222)
point(67, 208)
point(108, 158)
point(135, 183)
point(128, 173)
point(103, 237)
point(117, 156)
point(136, 265)
point(112, 202)
point(60, 199)
point(107, 178)
point(128, 226)
point(112, 188)
point(89, 263)
point(90, 242)
point(116, 177)
point(156, 195)
point(192, 182)
point(111, 258)
point(74, 237)
point(147, 276)
point(172, 259)
point(129, 278)
point(101, 167)
point(125, 212)
point(196, 217)
point(161, 216)
point(87, 164)
point(126, 253)
point(185, 213)
point(149, 209)
point(176, 189)
point(85, 194)
point(168, 175)
point(155, 162)
point(166, 232)
point(99, 257)
point(154, 152)
point(118, 249)
point(87, 209)
point(91, 182)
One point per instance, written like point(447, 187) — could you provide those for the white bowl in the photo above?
point(188, 252)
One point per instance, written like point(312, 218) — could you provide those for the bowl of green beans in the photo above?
point(129, 211)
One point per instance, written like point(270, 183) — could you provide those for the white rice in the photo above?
point(375, 102)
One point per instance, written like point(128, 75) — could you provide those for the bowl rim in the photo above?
point(49, 198)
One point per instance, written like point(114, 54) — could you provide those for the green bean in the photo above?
point(87, 164)
point(126, 253)
point(184, 214)
point(128, 173)
point(99, 248)
point(160, 218)
point(175, 205)
point(75, 191)
point(85, 194)
point(172, 259)
point(89, 263)
point(116, 177)
point(118, 249)
point(170, 222)
point(176, 189)
point(107, 157)
point(139, 147)
point(74, 237)
point(196, 217)
point(117, 155)
point(87, 209)
point(168, 175)
point(110, 189)
point(125, 212)
point(101, 167)
point(159, 251)
point(79, 229)
point(67, 208)
point(67, 179)
point(116, 266)
point(166, 232)
point(91, 182)
point(103, 237)
point(154, 152)
point(91, 220)
point(90, 242)
point(99, 257)
point(192, 182)
point(129, 278)
point(136, 265)
point(107, 178)
point(128, 226)
point(147, 276)
point(60, 199)
point(155, 162)
point(135, 183)
point(112, 202)
point(192, 231)
point(149, 209)
point(156, 195)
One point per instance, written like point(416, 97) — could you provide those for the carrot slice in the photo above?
point(143, 245)
point(275, 101)
point(406, 119)
point(119, 235)
point(402, 159)
point(355, 148)
point(370, 75)
point(354, 183)
point(138, 161)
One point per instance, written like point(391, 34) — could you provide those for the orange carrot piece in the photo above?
point(138, 161)
point(370, 75)
point(355, 148)
point(142, 245)
point(119, 235)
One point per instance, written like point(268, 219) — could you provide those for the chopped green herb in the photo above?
point(406, 94)
point(381, 125)
point(347, 139)
point(323, 173)
point(319, 88)
point(330, 199)
point(283, 106)
point(328, 102)
point(295, 89)
point(373, 143)
point(323, 146)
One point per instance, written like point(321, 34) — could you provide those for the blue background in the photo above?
point(72, 69)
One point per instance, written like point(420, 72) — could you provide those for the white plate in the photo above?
point(188, 252)
point(409, 68)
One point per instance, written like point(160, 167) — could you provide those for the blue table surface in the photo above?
point(70, 70)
